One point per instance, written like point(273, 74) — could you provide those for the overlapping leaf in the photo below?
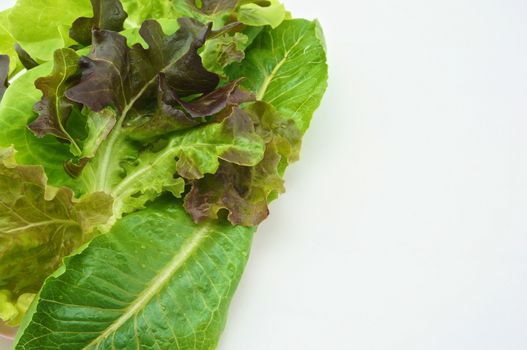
point(54, 109)
point(138, 11)
point(16, 112)
point(214, 10)
point(155, 280)
point(261, 13)
point(40, 224)
point(287, 68)
point(7, 43)
point(41, 26)
point(142, 120)
point(122, 76)
point(107, 15)
point(25, 58)
point(190, 155)
point(299, 56)
point(219, 52)
point(245, 191)
point(126, 78)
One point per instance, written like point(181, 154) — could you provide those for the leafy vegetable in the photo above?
point(261, 13)
point(107, 15)
point(40, 224)
point(7, 43)
point(53, 109)
point(150, 137)
point(197, 152)
point(41, 26)
point(220, 52)
point(246, 191)
point(25, 58)
point(12, 309)
point(16, 112)
point(138, 11)
point(286, 67)
point(156, 279)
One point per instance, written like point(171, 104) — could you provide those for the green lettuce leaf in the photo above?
point(219, 52)
point(190, 155)
point(287, 68)
point(215, 11)
point(107, 15)
point(161, 108)
point(40, 224)
point(138, 11)
point(155, 280)
point(261, 13)
point(49, 24)
point(7, 44)
point(12, 309)
point(16, 112)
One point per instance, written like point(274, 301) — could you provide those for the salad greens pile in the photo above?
point(140, 145)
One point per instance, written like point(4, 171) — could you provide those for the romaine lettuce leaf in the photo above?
point(287, 68)
point(155, 280)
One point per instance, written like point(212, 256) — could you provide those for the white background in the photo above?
point(405, 223)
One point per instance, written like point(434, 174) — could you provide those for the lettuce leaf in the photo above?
point(7, 44)
point(54, 109)
point(291, 78)
point(40, 224)
point(49, 24)
point(246, 191)
point(220, 52)
point(156, 139)
point(286, 67)
point(107, 15)
point(156, 279)
point(190, 155)
point(16, 112)
point(138, 11)
point(215, 11)
point(261, 13)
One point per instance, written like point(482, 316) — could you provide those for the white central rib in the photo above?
point(188, 248)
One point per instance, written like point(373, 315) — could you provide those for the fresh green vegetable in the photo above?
point(138, 153)
point(155, 278)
